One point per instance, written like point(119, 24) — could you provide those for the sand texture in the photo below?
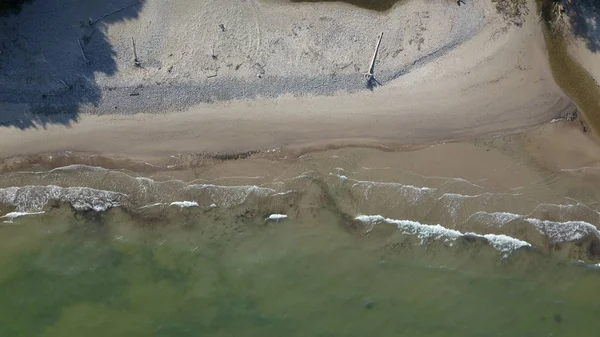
point(68, 81)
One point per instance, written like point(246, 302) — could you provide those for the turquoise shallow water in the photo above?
point(100, 277)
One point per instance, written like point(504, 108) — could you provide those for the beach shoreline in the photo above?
point(489, 77)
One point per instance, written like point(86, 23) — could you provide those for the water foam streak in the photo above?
point(503, 243)
point(35, 198)
point(559, 232)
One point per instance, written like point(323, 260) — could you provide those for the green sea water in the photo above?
point(98, 276)
point(141, 265)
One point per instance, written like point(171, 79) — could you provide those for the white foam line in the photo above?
point(284, 193)
point(567, 206)
point(457, 195)
point(13, 215)
point(446, 179)
point(236, 177)
point(468, 196)
point(66, 168)
point(564, 231)
point(33, 198)
point(276, 217)
point(389, 183)
point(152, 165)
point(230, 196)
point(78, 167)
point(251, 187)
point(153, 205)
point(303, 175)
point(183, 204)
point(373, 168)
point(503, 243)
point(501, 218)
point(580, 170)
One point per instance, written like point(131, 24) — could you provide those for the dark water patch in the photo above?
point(575, 81)
point(584, 18)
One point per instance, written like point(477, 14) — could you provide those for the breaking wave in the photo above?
point(503, 243)
point(35, 198)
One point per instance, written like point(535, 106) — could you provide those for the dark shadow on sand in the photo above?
point(376, 5)
point(50, 54)
point(372, 82)
point(11, 6)
point(584, 18)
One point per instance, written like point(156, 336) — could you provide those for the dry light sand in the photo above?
point(447, 72)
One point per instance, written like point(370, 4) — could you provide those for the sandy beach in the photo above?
point(224, 168)
point(287, 75)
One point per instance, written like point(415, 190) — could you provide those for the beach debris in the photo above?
point(92, 22)
point(212, 54)
point(134, 94)
point(82, 52)
point(370, 70)
point(212, 75)
point(65, 84)
point(135, 58)
point(222, 27)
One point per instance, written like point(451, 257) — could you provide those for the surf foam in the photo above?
point(230, 196)
point(184, 204)
point(493, 218)
point(503, 243)
point(559, 232)
point(13, 215)
point(35, 198)
point(276, 217)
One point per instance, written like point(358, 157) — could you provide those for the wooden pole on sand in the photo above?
point(369, 73)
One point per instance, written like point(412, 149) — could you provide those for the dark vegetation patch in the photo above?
point(514, 11)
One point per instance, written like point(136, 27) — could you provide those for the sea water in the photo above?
point(321, 245)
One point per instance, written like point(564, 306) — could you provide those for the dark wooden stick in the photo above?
point(135, 58)
point(82, 52)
